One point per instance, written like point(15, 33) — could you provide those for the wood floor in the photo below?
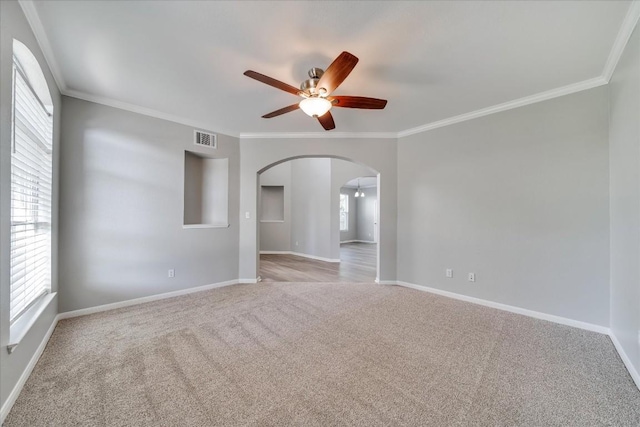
point(357, 264)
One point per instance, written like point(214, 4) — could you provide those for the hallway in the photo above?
point(358, 264)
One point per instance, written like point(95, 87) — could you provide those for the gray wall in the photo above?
point(13, 24)
point(192, 188)
point(366, 217)
point(311, 207)
point(121, 208)
point(624, 140)
point(518, 197)
point(258, 154)
point(276, 236)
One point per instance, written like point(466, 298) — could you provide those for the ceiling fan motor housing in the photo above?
point(309, 86)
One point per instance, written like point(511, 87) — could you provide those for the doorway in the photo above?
point(299, 222)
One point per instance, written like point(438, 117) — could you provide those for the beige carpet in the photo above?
point(310, 354)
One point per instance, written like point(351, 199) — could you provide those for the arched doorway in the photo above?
point(260, 152)
point(298, 221)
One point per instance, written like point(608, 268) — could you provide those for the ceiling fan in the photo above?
point(317, 91)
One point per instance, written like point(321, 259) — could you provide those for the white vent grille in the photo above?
point(205, 139)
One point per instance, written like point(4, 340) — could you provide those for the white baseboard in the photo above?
point(357, 241)
point(13, 396)
point(510, 308)
point(136, 301)
point(318, 258)
point(625, 359)
point(4, 411)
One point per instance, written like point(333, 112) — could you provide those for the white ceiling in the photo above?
point(362, 182)
point(431, 60)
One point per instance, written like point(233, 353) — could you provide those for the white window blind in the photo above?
point(31, 191)
point(344, 212)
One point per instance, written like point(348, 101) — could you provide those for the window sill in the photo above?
point(20, 328)
point(272, 220)
point(205, 226)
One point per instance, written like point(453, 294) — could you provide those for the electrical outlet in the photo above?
point(172, 273)
point(247, 215)
point(296, 243)
point(449, 273)
point(472, 277)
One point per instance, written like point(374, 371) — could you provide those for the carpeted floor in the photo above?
point(317, 354)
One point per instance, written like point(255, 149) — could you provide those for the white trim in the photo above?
point(144, 111)
point(624, 34)
point(13, 396)
point(527, 100)
point(625, 359)
point(272, 220)
point(539, 97)
point(532, 99)
point(622, 38)
point(315, 135)
point(318, 258)
point(142, 300)
point(205, 226)
point(357, 241)
point(510, 308)
point(31, 13)
point(19, 329)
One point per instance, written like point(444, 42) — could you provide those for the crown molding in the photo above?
point(624, 34)
point(147, 112)
point(30, 12)
point(521, 102)
point(628, 25)
point(317, 135)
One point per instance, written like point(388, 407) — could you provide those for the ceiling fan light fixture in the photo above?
point(315, 106)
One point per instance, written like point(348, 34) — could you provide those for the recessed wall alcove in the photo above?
point(206, 191)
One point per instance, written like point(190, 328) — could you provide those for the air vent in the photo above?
point(205, 139)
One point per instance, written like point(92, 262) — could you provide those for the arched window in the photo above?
point(31, 182)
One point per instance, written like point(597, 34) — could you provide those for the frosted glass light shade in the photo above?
point(315, 107)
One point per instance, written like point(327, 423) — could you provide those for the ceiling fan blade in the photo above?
point(326, 120)
point(358, 102)
point(272, 82)
point(337, 72)
point(284, 110)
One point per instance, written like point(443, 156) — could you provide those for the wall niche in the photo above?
point(206, 191)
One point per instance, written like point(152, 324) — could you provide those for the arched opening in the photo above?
point(299, 220)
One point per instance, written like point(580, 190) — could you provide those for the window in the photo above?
point(31, 186)
point(344, 212)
